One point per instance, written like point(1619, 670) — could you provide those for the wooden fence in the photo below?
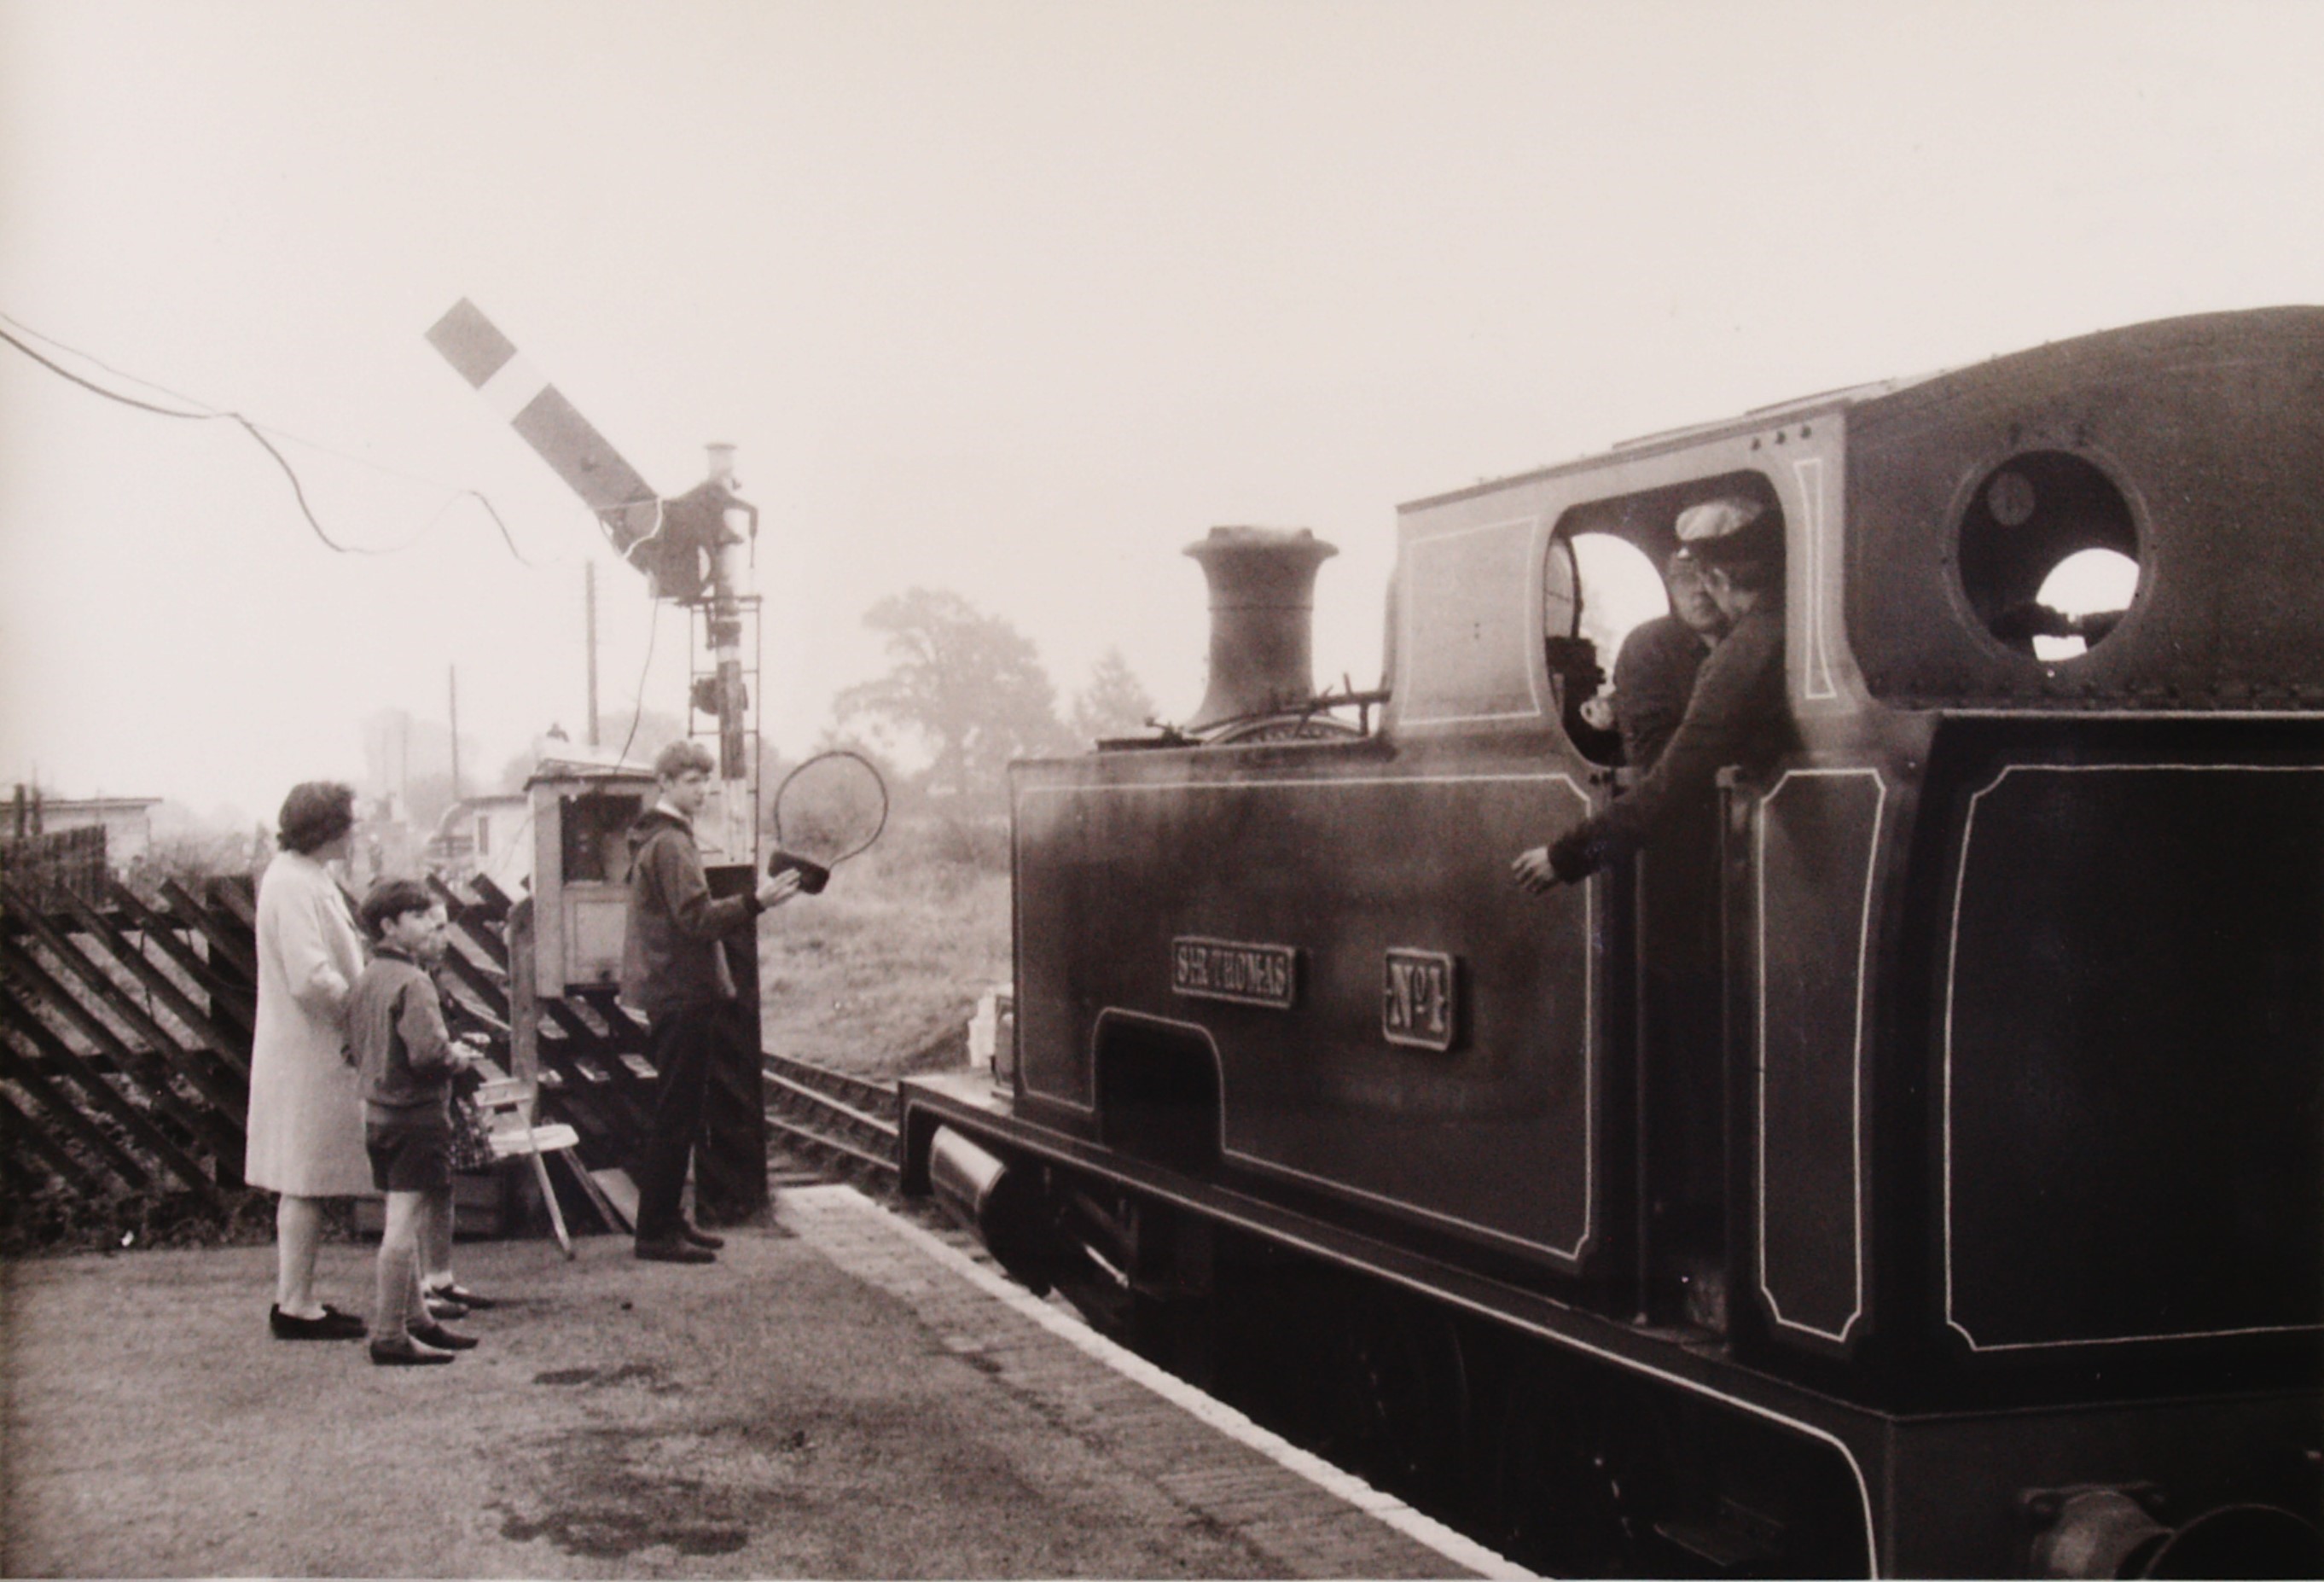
point(63, 862)
point(590, 1055)
point(124, 1037)
point(125, 1034)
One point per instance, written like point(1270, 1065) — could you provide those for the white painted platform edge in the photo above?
point(1423, 1530)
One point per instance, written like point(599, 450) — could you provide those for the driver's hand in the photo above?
point(1532, 871)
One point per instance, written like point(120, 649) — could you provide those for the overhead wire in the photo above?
point(638, 705)
point(55, 367)
point(41, 336)
point(458, 493)
point(296, 489)
point(645, 540)
point(259, 432)
point(211, 408)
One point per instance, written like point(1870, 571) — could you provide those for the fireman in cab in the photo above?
point(1736, 713)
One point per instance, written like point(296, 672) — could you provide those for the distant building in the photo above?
point(52, 847)
point(490, 834)
point(127, 822)
point(385, 847)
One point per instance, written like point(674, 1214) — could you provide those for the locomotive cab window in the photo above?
point(1604, 579)
point(1596, 588)
point(2048, 554)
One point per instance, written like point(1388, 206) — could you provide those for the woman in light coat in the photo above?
point(306, 1136)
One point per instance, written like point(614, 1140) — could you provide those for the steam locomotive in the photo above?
point(1910, 1163)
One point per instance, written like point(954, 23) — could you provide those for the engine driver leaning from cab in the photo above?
point(1736, 710)
point(1653, 675)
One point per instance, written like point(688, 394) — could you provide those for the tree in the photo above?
point(517, 770)
point(1114, 703)
point(643, 732)
point(966, 688)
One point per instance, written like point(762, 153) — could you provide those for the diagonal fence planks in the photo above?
point(585, 1051)
point(125, 1023)
point(124, 1037)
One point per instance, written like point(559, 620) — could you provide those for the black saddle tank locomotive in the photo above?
point(1910, 1163)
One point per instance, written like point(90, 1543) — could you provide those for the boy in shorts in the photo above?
point(396, 1036)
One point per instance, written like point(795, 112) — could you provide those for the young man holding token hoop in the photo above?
point(674, 970)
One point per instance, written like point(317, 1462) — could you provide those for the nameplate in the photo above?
point(1229, 970)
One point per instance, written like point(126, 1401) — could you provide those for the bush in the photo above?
point(52, 1219)
point(193, 860)
point(979, 842)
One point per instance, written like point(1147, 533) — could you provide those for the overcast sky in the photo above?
point(1015, 299)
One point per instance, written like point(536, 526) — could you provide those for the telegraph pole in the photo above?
point(727, 582)
point(589, 609)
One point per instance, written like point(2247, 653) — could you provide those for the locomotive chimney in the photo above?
point(1262, 604)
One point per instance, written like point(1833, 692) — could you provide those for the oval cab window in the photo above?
point(2049, 554)
point(1596, 588)
point(1619, 588)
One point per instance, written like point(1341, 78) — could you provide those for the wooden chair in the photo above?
point(511, 1107)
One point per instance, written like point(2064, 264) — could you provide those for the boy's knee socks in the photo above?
point(392, 1302)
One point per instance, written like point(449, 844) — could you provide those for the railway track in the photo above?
point(833, 1119)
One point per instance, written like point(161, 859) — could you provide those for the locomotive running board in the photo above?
point(967, 1102)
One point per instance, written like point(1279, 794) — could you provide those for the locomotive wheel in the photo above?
point(1563, 1495)
point(1399, 1409)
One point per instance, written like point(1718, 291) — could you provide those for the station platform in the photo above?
point(847, 1393)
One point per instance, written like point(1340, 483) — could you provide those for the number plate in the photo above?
point(1420, 1003)
point(1225, 970)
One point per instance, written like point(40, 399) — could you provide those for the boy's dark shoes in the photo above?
point(392, 1354)
point(436, 1335)
point(673, 1250)
point(333, 1325)
point(462, 1296)
point(443, 1307)
point(700, 1237)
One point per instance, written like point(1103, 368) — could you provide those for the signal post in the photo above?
point(694, 551)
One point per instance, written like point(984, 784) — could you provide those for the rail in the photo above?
point(834, 1119)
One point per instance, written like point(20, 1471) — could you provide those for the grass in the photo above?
point(880, 973)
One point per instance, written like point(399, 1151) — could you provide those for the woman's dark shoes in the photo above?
point(405, 1354)
point(333, 1325)
point(700, 1237)
point(436, 1336)
point(444, 1307)
point(462, 1295)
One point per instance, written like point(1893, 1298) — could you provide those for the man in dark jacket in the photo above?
point(1737, 713)
point(674, 968)
point(1653, 675)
